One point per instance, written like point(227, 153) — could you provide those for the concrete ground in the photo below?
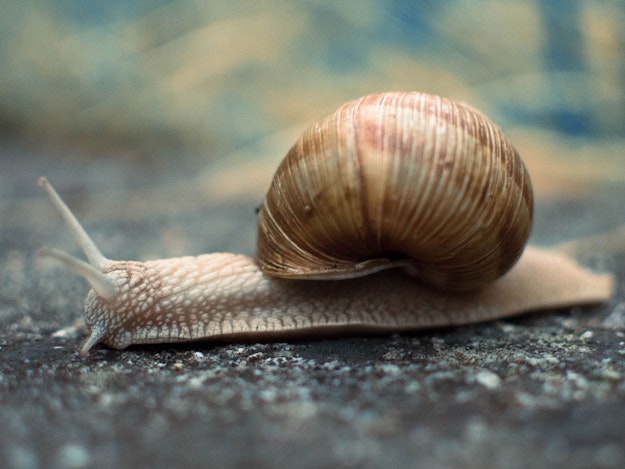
point(545, 390)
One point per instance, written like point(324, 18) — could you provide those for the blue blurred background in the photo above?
point(190, 77)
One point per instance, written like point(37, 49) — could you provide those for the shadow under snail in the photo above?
point(399, 211)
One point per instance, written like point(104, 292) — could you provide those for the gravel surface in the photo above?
point(545, 390)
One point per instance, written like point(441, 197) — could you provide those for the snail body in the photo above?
point(392, 180)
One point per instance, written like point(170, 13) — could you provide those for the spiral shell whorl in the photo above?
point(398, 175)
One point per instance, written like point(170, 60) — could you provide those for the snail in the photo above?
point(398, 211)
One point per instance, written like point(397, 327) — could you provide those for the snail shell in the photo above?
point(394, 176)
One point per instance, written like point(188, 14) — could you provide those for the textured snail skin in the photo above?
point(226, 296)
point(407, 174)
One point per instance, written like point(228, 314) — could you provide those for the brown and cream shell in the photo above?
point(392, 176)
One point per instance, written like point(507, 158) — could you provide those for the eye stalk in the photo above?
point(92, 271)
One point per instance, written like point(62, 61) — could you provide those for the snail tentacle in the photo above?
point(95, 257)
point(98, 281)
point(91, 271)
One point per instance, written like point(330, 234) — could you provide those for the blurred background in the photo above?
point(158, 90)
